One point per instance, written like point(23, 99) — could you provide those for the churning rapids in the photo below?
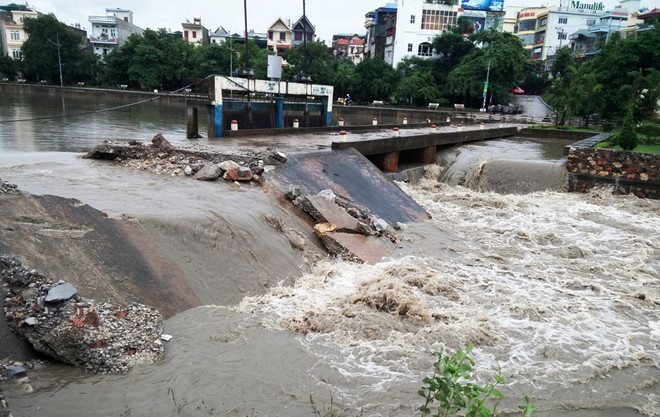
point(559, 291)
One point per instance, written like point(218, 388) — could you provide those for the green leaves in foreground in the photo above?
point(448, 391)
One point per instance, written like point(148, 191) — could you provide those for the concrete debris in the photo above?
point(210, 172)
point(280, 157)
point(60, 293)
point(227, 165)
point(163, 158)
point(56, 321)
point(238, 174)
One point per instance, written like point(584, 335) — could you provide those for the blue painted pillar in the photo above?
point(216, 121)
point(279, 111)
point(326, 109)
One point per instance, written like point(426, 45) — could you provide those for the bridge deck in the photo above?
point(405, 143)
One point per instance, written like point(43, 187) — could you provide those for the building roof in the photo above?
point(653, 13)
point(280, 20)
point(303, 25)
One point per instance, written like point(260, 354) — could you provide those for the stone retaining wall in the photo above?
point(626, 172)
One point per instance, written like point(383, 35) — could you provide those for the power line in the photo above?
point(62, 116)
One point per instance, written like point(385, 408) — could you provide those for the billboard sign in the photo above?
point(486, 5)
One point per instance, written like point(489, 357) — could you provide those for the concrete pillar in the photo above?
point(326, 109)
point(279, 111)
point(428, 155)
point(192, 129)
point(391, 162)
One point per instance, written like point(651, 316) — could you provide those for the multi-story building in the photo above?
point(220, 35)
point(419, 21)
point(279, 36)
point(302, 30)
point(111, 31)
point(195, 33)
point(349, 46)
point(580, 26)
point(12, 32)
point(381, 32)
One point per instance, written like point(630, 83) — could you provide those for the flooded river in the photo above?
point(558, 291)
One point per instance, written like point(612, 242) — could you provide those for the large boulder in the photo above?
point(55, 320)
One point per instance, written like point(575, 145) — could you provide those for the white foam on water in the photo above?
point(557, 290)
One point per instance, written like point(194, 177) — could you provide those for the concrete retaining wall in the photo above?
point(626, 172)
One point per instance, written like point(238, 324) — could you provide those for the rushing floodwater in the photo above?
point(559, 291)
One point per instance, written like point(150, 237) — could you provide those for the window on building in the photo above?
point(438, 19)
point(113, 33)
point(412, 19)
point(298, 36)
point(544, 22)
point(185, 34)
point(563, 20)
point(15, 35)
point(410, 46)
point(16, 53)
point(194, 33)
point(561, 35)
point(270, 35)
point(424, 49)
point(282, 36)
point(591, 22)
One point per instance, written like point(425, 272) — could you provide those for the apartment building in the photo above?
point(111, 31)
point(12, 32)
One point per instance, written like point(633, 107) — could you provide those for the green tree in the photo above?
point(503, 53)
point(617, 59)
point(417, 85)
point(317, 58)
point(451, 47)
point(344, 80)
point(151, 60)
point(40, 50)
point(8, 67)
point(374, 80)
point(212, 59)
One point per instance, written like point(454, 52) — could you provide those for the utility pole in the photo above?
point(59, 57)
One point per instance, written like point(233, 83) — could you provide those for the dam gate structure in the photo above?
point(247, 103)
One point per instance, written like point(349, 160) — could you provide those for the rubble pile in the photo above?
point(55, 320)
point(7, 188)
point(346, 230)
point(198, 162)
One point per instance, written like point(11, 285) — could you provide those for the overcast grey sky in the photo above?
point(329, 17)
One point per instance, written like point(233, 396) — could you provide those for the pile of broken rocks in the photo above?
point(199, 162)
point(55, 320)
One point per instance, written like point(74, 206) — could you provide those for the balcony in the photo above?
point(102, 19)
point(104, 40)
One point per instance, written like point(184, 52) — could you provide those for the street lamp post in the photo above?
point(483, 106)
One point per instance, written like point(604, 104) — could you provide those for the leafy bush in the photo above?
point(448, 391)
point(648, 128)
point(626, 138)
point(608, 126)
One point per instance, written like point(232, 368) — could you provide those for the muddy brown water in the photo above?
point(559, 291)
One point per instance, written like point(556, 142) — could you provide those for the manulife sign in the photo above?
point(596, 7)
